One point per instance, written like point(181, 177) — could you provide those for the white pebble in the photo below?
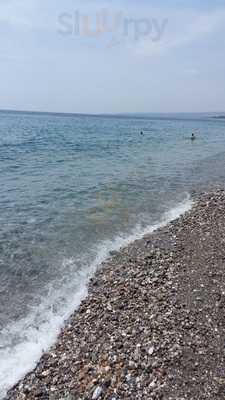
point(97, 393)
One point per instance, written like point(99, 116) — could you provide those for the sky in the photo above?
point(94, 56)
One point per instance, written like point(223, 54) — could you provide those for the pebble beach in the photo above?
point(153, 324)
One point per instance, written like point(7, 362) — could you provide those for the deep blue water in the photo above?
point(72, 189)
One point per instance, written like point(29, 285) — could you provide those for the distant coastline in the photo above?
point(219, 117)
point(195, 116)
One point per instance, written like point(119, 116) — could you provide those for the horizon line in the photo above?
point(126, 113)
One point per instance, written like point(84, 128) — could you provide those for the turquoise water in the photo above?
point(72, 189)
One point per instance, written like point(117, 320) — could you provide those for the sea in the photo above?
point(75, 188)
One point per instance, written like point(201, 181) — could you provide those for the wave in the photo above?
point(22, 343)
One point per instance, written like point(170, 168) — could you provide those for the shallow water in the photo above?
point(72, 189)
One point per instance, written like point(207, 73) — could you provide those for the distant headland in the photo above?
point(219, 116)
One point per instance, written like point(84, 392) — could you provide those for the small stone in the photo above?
point(153, 384)
point(97, 393)
point(151, 350)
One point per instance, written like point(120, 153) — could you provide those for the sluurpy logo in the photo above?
point(114, 27)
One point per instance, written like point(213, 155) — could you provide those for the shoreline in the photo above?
point(152, 324)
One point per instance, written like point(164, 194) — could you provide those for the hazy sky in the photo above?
point(112, 56)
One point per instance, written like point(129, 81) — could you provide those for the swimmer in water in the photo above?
point(193, 137)
point(141, 133)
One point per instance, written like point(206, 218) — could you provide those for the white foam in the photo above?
point(30, 341)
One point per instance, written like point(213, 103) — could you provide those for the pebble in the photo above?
point(97, 393)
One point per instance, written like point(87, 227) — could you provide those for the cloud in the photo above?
point(183, 31)
point(18, 14)
point(192, 72)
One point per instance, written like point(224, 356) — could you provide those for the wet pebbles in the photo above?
point(153, 325)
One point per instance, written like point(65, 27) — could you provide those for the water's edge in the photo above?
point(41, 340)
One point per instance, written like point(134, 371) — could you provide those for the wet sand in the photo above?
point(153, 324)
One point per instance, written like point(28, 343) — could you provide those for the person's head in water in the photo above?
point(141, 133)
point(193, 136)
